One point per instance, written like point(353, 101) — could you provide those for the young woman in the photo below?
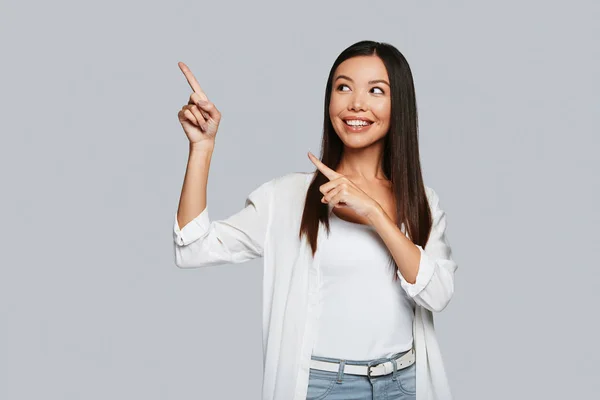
point(356, 258)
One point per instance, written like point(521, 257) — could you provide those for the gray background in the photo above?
point(93, 158)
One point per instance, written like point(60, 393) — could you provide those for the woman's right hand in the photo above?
point(199, 117)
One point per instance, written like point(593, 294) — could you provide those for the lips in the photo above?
point(357, 128)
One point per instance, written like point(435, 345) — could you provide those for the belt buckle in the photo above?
point(369, 370)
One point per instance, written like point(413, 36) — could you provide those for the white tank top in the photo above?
point(365, 314)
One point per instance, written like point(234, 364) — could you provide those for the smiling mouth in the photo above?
point(355, 126)
point(357, 123)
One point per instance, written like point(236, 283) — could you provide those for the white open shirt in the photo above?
point(268, 227)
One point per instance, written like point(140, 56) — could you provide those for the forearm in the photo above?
point(193, 193)
point(406, 255)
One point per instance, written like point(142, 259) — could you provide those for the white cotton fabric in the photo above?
point(365, 314)
point(268, 227)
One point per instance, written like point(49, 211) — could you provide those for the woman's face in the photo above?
point(360, 90)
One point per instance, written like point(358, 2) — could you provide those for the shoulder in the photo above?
point(291, 181)
point(288, 191)
point(432, 197)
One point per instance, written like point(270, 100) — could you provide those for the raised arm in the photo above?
point(197, 241)
point(199, 119)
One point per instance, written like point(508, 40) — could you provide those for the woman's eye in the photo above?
point(343, 85)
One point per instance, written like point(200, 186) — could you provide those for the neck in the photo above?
point(364, 164)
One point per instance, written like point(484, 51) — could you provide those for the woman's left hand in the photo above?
point(342, 192)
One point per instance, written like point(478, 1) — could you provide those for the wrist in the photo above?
point(202, 147)
point(376, 213)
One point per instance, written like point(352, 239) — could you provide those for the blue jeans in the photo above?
point(399, 385)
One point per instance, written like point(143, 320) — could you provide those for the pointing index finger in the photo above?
point(328, 172)
point(192, 80)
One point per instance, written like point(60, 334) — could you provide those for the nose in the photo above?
point(357, 103)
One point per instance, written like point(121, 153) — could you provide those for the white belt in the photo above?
point(374, 370)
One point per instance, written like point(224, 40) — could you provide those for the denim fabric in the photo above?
point(326, 385)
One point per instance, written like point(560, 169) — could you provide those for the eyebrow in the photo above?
point(370, 82)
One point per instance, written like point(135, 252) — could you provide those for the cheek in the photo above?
point(383, 112)
point(334, 109)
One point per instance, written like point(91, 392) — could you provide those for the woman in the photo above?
point(356, 258)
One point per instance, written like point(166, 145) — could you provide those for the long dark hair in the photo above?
point(400, 151)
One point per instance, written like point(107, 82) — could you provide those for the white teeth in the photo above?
point(356, 122)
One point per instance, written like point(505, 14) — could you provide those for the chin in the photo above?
point(358, 140)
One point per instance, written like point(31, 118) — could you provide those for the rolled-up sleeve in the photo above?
point(236, 239)
point(434, 285)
